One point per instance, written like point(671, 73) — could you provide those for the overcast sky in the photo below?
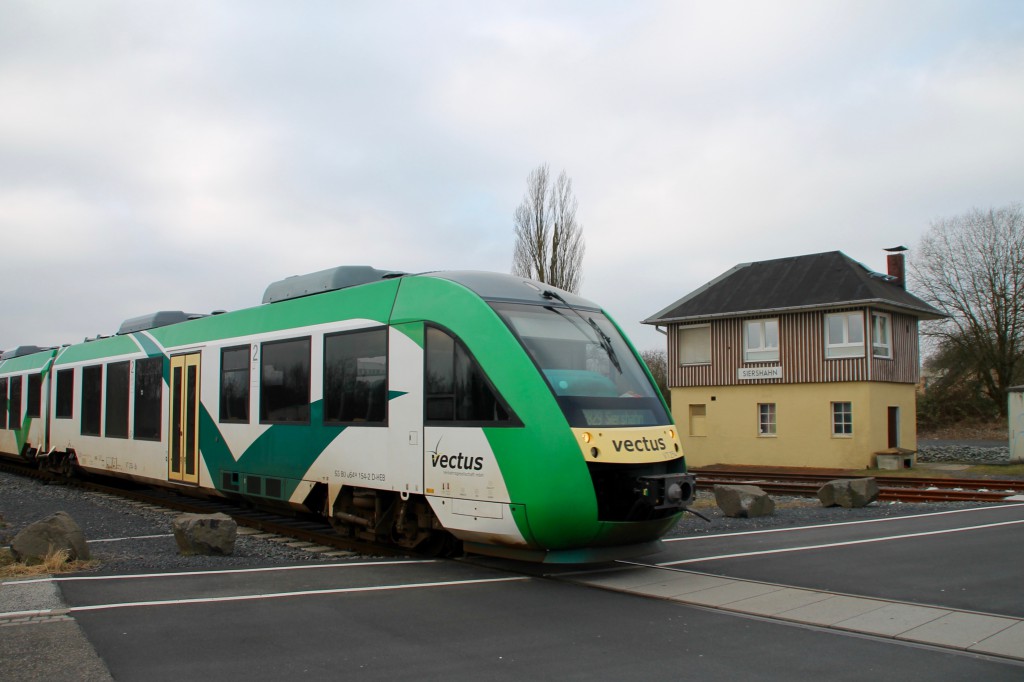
point(183, 155)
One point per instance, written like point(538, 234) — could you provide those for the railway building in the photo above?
point(809, 361)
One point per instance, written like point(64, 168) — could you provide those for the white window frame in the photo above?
point(843, 347)
point(767, 420)
point(705, 357)
point(763, 351)
point(842, 419)
point(881, 347)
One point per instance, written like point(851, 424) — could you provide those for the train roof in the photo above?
point(161, 318)
point(332, 279)
point(22, 351)
point(495, 286)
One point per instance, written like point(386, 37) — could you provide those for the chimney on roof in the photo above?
point(896, 266)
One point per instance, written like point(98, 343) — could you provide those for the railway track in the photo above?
point(309, 529)
point(891, 488)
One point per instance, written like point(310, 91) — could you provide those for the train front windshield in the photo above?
point(588, 365)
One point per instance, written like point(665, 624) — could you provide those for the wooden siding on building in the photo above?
point(801, 353)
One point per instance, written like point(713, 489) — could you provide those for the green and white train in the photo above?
point(416, 410)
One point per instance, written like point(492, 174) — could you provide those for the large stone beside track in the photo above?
point(205, 533)
point(57, 532)
point(848, 492)
point(743, 501)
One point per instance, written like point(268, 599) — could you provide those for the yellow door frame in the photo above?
point(183, 445)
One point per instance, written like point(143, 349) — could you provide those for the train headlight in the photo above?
point(587, 437)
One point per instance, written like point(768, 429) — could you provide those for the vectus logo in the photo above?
point(640, 445)
point(458, 461)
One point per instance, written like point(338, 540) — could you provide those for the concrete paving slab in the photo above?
point(785, 599)
point(681, 585)
point(624, 579)
point(727, 594)
point(834, 610)
point(893, 619)
point(1009, 642)
point(958, 630)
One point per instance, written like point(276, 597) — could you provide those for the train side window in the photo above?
point(457, 390)
point(35, 396)
point(92, 398)
point(3, 403)
point(14, 403)
point(149, 389)
point(356, 377)
point(65, 394)
point(118, 390)
point(284, 382)
point(234, 385)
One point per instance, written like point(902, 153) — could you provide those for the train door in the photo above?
point(183, 448)
point(405, 408)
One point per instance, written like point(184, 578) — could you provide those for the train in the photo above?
point(437, 412)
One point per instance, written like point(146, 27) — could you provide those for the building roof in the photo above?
point(820, 280)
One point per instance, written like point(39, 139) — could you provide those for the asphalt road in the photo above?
point(467, 620)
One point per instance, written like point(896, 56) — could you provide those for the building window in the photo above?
point(766, 419)
point(842, 419)
point(456, 388)
point(881, 340)
point(695, 345)
point(35, 396)
point(761, 340)
point(92, 398)
point(149, 389)
point(116, 425)
point(356, 377)
point(234, 385)
point(844, 335)
point(698, 420)
point(284, 382)
point(65, 394)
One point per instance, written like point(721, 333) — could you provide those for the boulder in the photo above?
point(743, 501)
point(57, 532)
point(205, 533)
point(848, 492)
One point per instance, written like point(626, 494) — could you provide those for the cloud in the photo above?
point(184, 155)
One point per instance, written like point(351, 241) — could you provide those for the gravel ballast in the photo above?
point(127, 538)
point(124, 537)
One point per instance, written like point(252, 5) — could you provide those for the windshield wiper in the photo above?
point(603, 339)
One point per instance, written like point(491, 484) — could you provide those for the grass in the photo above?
point(54, 563)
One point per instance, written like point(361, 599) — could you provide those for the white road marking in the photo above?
point(835, 544)
point(303, 567)
point(694, 538)
point(278, 595)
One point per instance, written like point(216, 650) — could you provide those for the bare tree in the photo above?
point(657, 363)
point(971, 267)
point(549, 239)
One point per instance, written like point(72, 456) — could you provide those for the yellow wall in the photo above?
point(804, 423)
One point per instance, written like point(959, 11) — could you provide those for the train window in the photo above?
point(284, 382)
point(14, 403)
point(590, 367)
point(116, 425)
point(456, 388)
point(234, 385)
point(356, 377)
point(65, 394)
point(92, 398)
point(35, 396)
point(3, 403)
point(149, 388)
